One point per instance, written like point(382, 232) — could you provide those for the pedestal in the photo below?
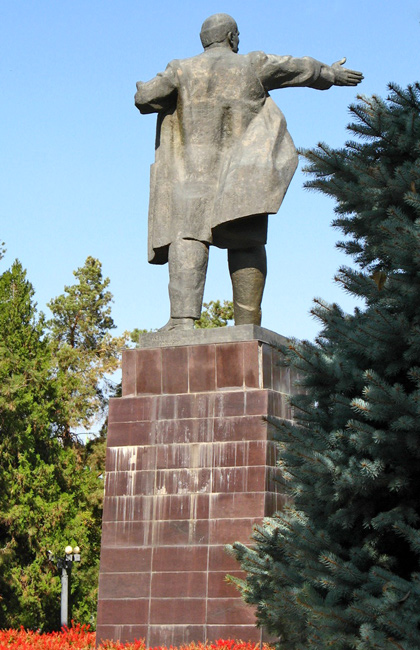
point(190, 467)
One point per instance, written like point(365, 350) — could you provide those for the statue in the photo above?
point(224, 160)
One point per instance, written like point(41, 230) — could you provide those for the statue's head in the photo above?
point(220, 28)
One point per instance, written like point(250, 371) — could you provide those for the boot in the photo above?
point(248, 270)
point(178, 324)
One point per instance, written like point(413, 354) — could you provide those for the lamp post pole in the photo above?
point(65, 564)
point(65, 594)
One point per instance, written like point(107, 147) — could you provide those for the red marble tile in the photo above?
point(128, 366)
point(190, 558)
point(175, 635)
point(227, 531)
point(238, 479)
point(130, 434)
point(267, 366)
point(274, 501)
point(181, 506)
point(129, 409)
point(171, 506)
point(124, 585)
point(229, 404)
point(200, 454)
point(128, 458)
point(239, 428)
point(219, 560)
point(120, 612)
point(128, 508)
point(149, 371)
point(256, 402)
point(252, 364)
point(273, 480)
point(110, 509)
point(219, 587)
point(120, 560)
point(239, 454)
point(205, 405)
point(244, 632)
point(116, 483)
point(183, 481)
point(165, 407)
point(183, 431)
point(278, 405)
point(281, 501)
point(273, 453)
point(146, 457)
point(175, 370)
point(200, 506)
point(237, 505)
point(202, 368)
point(130, 483)
point(179, 584)
point(180, 533)
point(123, 633)
point(128, 534)
point(175, 456)
point(186, 406)
point(229, 611)
point(281, 374)
point(229, 365)
point(186, 611)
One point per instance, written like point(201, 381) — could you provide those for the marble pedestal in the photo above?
point(190, 467)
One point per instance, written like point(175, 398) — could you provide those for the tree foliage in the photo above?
point(50, 484)
point(84, 350)
point(340, 567)
point(215, 314)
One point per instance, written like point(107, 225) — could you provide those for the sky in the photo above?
point(75, 153)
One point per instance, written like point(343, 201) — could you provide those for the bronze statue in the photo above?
point(224, 160)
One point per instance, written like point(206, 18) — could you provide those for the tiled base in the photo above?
point(190, 467)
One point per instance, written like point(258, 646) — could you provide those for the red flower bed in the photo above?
point(78, 637)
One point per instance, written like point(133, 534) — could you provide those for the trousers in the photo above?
point(188, 261)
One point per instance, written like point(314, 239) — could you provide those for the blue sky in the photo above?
point(75, 153)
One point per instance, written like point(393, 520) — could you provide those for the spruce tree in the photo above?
point(339, 567)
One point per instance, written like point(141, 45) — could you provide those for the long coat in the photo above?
point(223, 151)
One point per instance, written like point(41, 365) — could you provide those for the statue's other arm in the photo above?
point(157, 94)
point(286, 71)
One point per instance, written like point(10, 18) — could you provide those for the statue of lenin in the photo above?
point(224, 160)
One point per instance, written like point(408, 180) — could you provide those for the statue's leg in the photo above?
point(187, 275)
point(248, 270)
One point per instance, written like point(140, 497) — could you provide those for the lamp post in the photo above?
point(65, 564)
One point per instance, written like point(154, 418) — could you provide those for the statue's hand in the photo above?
point(137, 98)
point(344, 76)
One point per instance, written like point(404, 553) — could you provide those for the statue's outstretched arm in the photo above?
point(286, 71)
point(344, 76)
point(157, 94)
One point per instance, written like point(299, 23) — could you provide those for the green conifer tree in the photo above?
point(215, 314)
point(84, 351)
point(50, 492)
point(340, 566)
